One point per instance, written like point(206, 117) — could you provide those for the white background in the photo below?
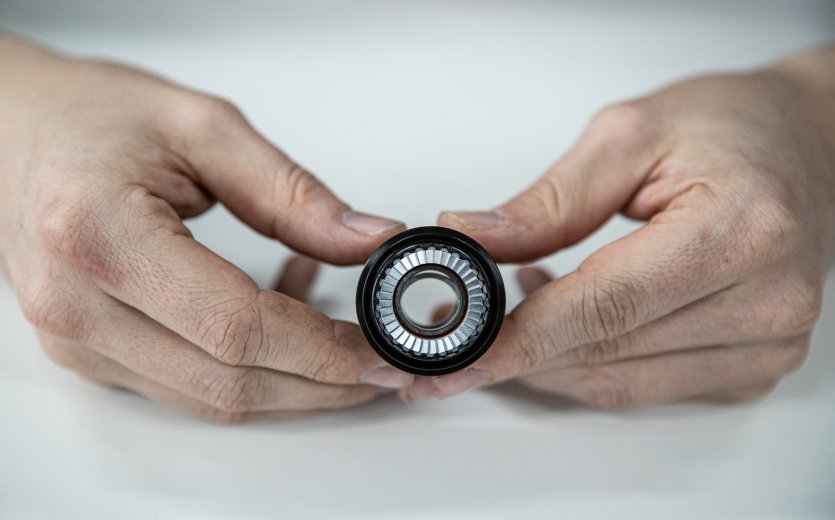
point(406, 109)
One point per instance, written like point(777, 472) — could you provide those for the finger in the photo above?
point(297, 277)
point(671, 377)
point(99, 369)
point(423, 388)
point(531, 279)
point(159, 356)
point(594, 180)
point(112, 374)
point(154, 265)
point(748, 393)
point(747, 313)
point(652, 272)
point(270, 192)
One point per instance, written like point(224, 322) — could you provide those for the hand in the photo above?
point(716, 295)
point(98, 165)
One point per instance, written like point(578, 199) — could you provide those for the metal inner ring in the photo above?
point(461, 332)
point(435, 272)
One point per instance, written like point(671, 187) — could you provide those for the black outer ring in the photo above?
point(394, 246)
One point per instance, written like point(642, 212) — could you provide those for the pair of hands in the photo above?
point(714, 297)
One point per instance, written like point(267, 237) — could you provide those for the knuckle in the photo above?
point(213, 113)
point(757, 393)
point(299, 184)
point(547, 195)
point(745, 394)
point(75, 234)
point(61, 228)
point(238, 391)
point(59, 218)
point(323, 357)
point(533, 343)
point(45, 310)
point(37, 306)
point(531, 352)
point(607, 309)
point(323, 364)
point(604, 351)
point(794, 311)
point(806, 306)
point(603, 388)
point(63, 355)
point(233, 333)
point(138, 204)
point(621, 122)
point(792, 357)
point(772, 230)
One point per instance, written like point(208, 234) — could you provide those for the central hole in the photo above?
point(428, 302)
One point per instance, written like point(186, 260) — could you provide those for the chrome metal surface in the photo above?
point(456, 332)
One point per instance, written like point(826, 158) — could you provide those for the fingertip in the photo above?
point(302, 267)
point(347, 240)
point(423, 388)
point(370, 225)
point(469, 221)
point(503, 238)
point(459, 382)
point(297, 277)
point(532, 278)
point(356, 236)
point(388, 377)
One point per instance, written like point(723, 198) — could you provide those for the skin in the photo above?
point(716, 295)
point(713, 298)
point(99, 164)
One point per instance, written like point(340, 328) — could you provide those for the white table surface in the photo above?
point(406, 109)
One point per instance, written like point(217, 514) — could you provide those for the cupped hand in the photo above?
point(716, 295)
point(99, 164)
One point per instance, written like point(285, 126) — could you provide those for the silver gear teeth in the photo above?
point(477, 302)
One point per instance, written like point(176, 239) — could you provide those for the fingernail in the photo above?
point(477, 220)
point(460, 382)
point(368, 224)
point(387, 377)
point(422, 388)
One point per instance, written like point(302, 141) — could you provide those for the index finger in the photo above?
point(679, 257)
point(145, 257)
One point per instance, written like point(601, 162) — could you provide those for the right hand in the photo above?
point(98, 165)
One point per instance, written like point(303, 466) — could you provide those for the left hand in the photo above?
point(716, 295)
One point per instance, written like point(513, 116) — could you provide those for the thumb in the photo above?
point(263, 187)
point(595, 179)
